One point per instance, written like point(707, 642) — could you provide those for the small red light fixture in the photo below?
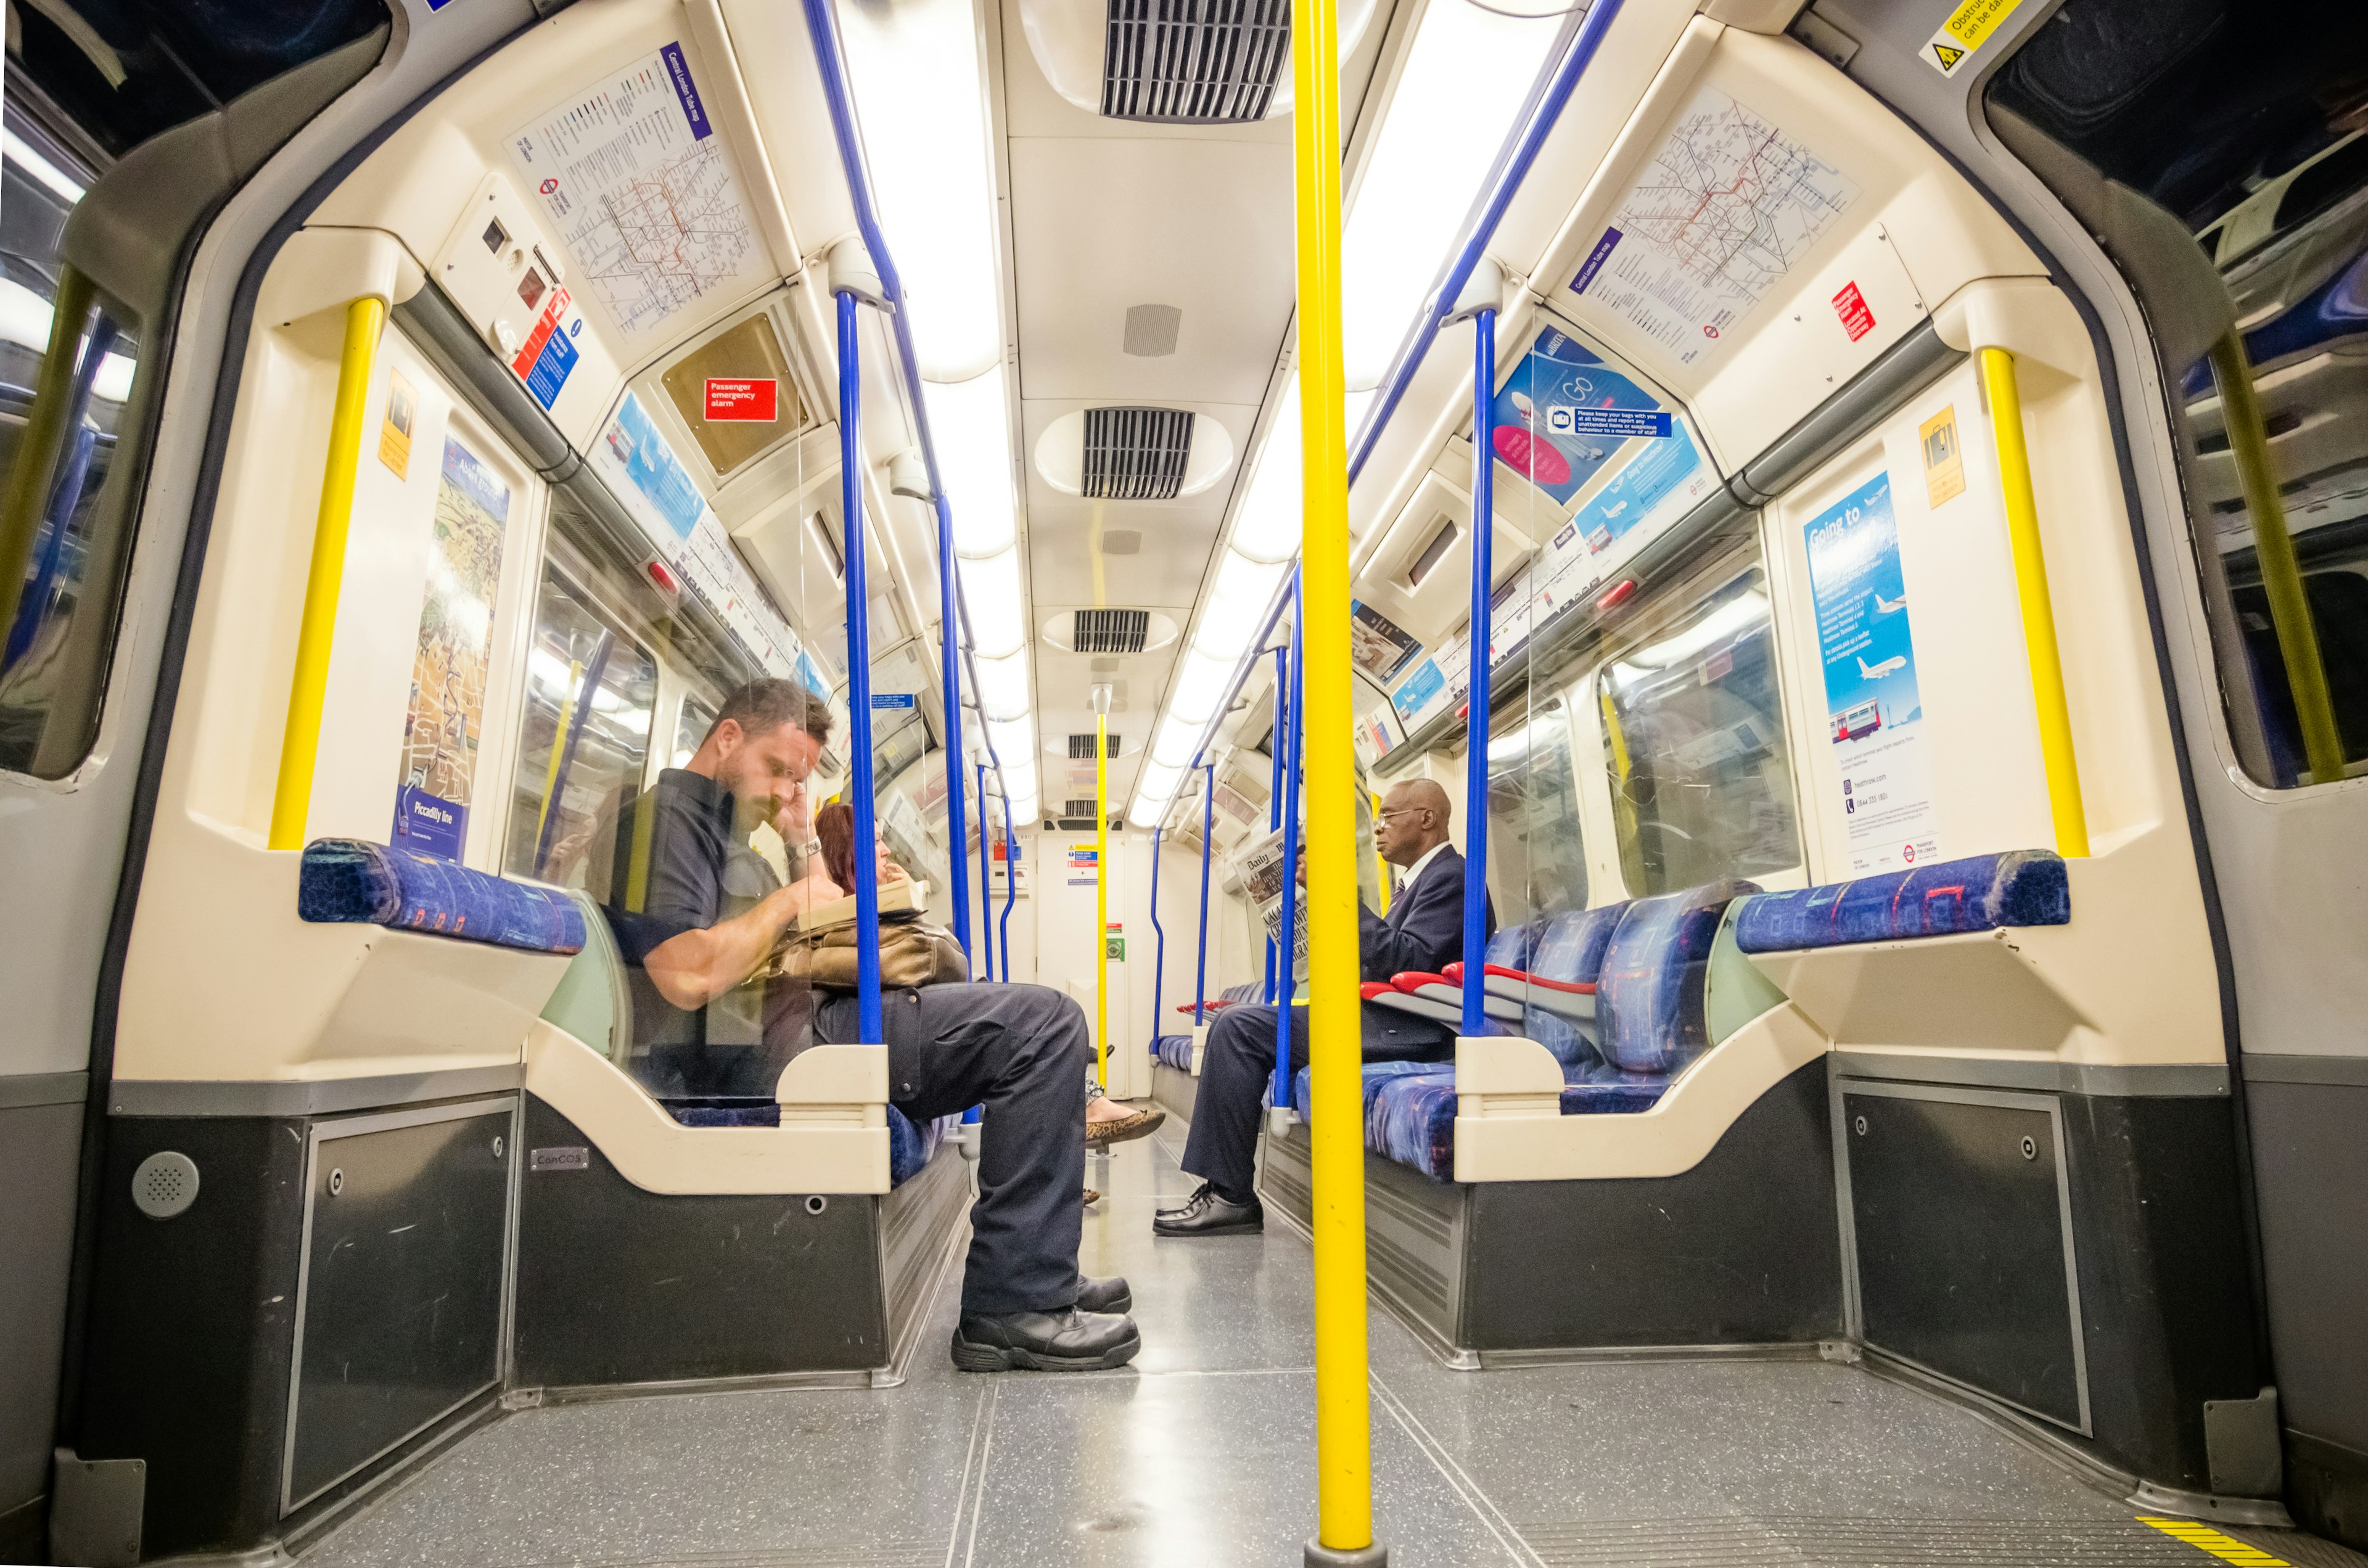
point(1617, 596)
point(666, 580)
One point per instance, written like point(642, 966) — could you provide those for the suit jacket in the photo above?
point(1424, 929)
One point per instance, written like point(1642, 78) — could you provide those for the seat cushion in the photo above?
point(1175, 1049)
point(1376, 1075)
point(2021, 887)
point(1514, 946)
point(1571, 948)
point(1649, 996)
point(910, 1143)
point(1410, 1117)
point(351, 881)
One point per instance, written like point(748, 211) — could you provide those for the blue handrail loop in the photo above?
point(1208, 825)
point(1289, 944)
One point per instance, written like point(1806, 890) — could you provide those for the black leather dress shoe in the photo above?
point(1109, 1295)
point(1210, 1215)
point(1046, 1342)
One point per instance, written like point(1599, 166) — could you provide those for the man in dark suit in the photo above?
point(1424, 931)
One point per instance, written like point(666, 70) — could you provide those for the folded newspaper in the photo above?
point(1260, 866)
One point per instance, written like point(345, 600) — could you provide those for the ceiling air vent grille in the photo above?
point(1136, 454)
point(1109, 631)
point(1081, 749)
point(1194, 61)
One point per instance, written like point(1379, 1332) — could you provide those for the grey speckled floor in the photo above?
point(1200, 1454)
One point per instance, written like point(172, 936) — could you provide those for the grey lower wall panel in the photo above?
point(913, 1221)
point(2310, 1171)
point(1178, 1092)
point(39, 1147)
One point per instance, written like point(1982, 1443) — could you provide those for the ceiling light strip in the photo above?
point(830, 61)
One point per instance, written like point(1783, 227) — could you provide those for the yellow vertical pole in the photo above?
point(43, 437)
point(2290, 617)
point(2055, 714)
point(1101, 893)
point(291, 802)
point(1337, 1123)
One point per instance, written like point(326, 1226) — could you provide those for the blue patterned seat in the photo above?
point(1175, 1049)
point(910, 1143)
point(351, 881)
point(1983, 893)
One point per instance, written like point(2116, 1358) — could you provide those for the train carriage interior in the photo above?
point(1476, 780)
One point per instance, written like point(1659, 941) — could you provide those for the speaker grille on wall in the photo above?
point(1136, 454)
point(165, 1183)
point(1151, 330)
point(1109, 631)
point(1081, 748)
point(1193, 62)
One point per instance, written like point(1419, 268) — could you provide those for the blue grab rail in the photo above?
point(1159, 935)
point(1284, 713)
point(1476, 745)
point(1289, 944)
point(858, 675)
point(1201, 960)
point(986, 878)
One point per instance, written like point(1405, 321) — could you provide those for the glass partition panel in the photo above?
point(1537, 865)
point(1693, 738)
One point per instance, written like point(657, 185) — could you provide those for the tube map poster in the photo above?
point(448, 674)
point(1874, 713)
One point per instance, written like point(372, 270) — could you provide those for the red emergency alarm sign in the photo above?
point(743, 399)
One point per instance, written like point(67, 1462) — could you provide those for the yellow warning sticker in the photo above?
point(394, 430)
point(1968, 29)
point(1944, 465)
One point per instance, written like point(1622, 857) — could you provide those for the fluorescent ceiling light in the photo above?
point(1266, 525)
point(1454, 106)
point(921, 94)
point(970, 423)
point(1157, 785)
point(1024, 809)
point(1014, 741)
point(1199, 687)
point(1173, 747)
point(40, 168)
point(1003, 687)
point(1229, 617)
point(998, 621)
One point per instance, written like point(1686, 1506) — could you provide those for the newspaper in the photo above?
point(1264, 873)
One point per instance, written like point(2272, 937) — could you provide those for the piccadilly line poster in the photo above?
point(446, 719)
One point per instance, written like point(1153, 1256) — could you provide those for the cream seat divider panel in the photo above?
point(833, 1137)
point(1669, 1140)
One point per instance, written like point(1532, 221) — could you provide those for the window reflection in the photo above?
point(1701, 788)
point(1537, 865)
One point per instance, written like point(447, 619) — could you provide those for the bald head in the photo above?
point(1414, 821)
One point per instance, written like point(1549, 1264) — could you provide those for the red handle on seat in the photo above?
point(1415, 980)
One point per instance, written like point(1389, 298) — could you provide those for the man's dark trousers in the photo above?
point(1239, 1063)
point(1021, 1051)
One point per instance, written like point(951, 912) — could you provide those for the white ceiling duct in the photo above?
point(1133, 454)
point(1174, 61)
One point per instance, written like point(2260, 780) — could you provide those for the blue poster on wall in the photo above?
point(651, 464)
point(1565, 412)
point(1874, 709)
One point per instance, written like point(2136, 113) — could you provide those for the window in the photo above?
point(1537, 865)
point(2248, 132)
point(54, 657)
point(1693, 740)
point(589, 697)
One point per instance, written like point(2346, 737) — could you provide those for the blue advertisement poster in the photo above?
point(652, 466)
point(1565, 414)
point(450, 661)
point(1875, 712)
point(1636, 491)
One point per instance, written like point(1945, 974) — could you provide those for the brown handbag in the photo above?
point(912, 953)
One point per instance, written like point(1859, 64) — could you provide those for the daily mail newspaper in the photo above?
point(1260, 866)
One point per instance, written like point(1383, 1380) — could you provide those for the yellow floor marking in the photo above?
point(2203, 1538)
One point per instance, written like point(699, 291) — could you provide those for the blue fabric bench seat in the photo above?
point(1175, 1049)
point(910, 1143)
point(1983, 893)
point(349, 881)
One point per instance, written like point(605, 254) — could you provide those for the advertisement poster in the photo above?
point(1876, 718)
point(1377, 644)
point(1658, 486)
point(448, 674)
point(1565, 414)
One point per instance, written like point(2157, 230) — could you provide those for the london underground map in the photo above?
point(636, 181)
point(1729, 204)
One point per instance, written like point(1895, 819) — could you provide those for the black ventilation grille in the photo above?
point(1109, 631)
point(1081, 749)
point(1194, 61)
point(1136, 454)
point(1084, 808)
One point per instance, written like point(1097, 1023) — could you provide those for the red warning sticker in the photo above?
point(743, 399)
point(1851, 305)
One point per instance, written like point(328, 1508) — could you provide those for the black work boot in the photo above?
point(1210, 1214)
point(1109, 1295)
point(1073, 1341)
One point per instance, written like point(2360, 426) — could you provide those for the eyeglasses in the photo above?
point(1402, 811)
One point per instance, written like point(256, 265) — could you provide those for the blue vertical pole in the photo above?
point(1283, 709)
point(1010, 885)
point(859, 677)
point(1476, 732)
point(1208, 827)
point(1159, 934)
point(1289, 945)
point(986, 885)
point(949, 678)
